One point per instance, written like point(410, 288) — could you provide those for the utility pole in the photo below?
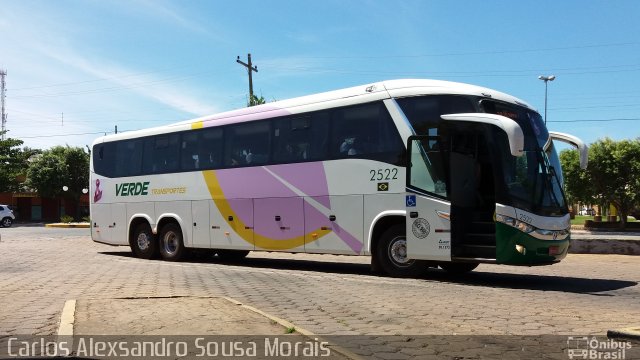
point(250, 69)
point(3, 73)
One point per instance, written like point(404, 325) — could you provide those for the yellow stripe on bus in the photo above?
point(249, 235)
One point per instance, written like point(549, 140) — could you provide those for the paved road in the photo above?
point(586, 294)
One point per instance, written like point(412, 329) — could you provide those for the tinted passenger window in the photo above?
point(366, 131)
point(423, 112)
point(161, 153)
point(301, 138)
point(247, 144)
point(128, 158)
point(202, 149)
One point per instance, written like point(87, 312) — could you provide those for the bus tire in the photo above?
point(458, 268)
point(143, 243)
point(171, 243)
point(391, 254)
point(232, 255)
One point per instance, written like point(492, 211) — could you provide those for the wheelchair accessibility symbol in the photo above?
point(411, 201)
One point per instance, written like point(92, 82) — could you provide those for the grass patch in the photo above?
point(290, 330)
point(580, 219)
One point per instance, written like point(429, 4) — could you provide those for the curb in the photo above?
point(602, 246)
point(66, 226)
point(349, 354)
point(67, 318)
point(280, 321)
point(632, 333)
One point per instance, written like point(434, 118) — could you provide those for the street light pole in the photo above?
point(546, 79)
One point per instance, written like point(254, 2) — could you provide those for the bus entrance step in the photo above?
point(482, 227)
point(480, 239)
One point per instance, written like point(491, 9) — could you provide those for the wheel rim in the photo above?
point(143, 241)
point(170, 243)
point(6, 222)
point(398, 252)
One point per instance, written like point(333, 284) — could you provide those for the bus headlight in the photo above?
point(541, 234)
point(506, 220)
point(524, 227)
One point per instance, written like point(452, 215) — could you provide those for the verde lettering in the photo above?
point(132, 189)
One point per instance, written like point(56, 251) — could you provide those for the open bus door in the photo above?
point(428, 226)
point(439, 180)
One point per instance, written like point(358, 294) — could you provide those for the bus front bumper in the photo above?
point(514, 247)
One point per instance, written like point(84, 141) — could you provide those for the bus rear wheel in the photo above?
point(459, 268)
point(144, 244)
point(391, 254)
point(171, 243)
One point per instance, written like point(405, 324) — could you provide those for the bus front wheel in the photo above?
point(171, 244)
point(144, 244)
point(391, 254)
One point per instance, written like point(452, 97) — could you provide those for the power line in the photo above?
point(58, 135)
point(96, 80)
point(115, 88)
point(488, 52)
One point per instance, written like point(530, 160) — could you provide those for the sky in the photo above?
point(77, 69)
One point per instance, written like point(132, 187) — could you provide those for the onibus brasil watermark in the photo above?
point(592, 348)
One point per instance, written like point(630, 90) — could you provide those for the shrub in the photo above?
point(66, 219)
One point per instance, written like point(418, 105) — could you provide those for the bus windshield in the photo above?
point(534, 180)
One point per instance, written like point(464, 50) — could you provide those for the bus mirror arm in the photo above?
point(572, 140)
point(509, 126)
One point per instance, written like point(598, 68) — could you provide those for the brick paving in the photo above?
point(586, 294)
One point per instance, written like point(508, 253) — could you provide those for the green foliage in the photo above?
point(86, 219)
point(13, 164)
point(577, 185)
point(66, 219)
point(255, 100)
point(57, 167)
point(614, 174)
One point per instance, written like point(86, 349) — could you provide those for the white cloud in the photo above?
point(38, 50)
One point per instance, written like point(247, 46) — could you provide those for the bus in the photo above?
point(414, 173)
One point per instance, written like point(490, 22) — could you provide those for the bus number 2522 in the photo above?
point(383, 174)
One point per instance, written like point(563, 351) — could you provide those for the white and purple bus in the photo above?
point(414, 173)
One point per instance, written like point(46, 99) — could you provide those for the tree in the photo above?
point(255, 100)
point(614, 173)
point(57, 167)
point(13, 164)
point(577, 186)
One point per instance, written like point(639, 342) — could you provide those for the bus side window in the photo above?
point(247, 144)
point(190, 159)
point(300, 138)
point(210, 148)
point(365, 131)
point(128, 158)
point(161, 153)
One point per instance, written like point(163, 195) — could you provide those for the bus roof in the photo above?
point(343, 97)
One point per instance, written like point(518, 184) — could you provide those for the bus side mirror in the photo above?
point(572, 140)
